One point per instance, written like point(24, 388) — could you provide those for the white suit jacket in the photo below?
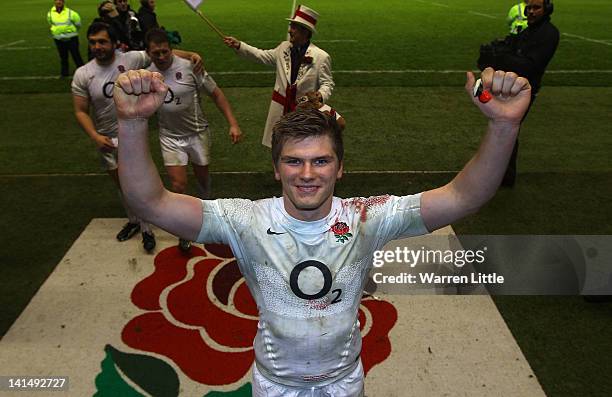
point(314, 76)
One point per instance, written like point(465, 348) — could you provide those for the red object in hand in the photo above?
point(483, 95)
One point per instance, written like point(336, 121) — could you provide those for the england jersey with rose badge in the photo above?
point(96, 83)
point(181, 114)
point(307, 278)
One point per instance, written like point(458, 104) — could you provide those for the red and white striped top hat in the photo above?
point(307, 17)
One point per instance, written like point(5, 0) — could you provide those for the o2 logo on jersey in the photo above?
point(170, 97)
point(107, 89)
point(327, 282)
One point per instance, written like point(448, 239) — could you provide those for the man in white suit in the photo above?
point(301, 67)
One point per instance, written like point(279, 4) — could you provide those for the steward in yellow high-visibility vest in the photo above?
point(64, 25)
point(517, 19)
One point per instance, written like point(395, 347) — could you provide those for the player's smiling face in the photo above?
point(102, 48)
point(308, 170)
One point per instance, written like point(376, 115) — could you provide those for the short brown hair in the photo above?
point(303, 124)
point(97, 27)
point(157, 36)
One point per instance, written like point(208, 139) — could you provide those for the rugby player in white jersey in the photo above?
point(184, 135)
point(306, 255)
point(92, 87)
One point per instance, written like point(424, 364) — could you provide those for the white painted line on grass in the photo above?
point(318, 41)
point(13, 43)
point(337, 41)
point(403, 172)
point(594, 71)
point(405, 71)
point(433, 3)
point(366, 172)
point(22, 48)
point(482, 15)
point(413, 71)
point(604, 42)
point(8, 78)
point(238, 72)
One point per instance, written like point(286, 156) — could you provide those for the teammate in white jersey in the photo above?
point(184, 135)
point(92, 87)
point(305, 256)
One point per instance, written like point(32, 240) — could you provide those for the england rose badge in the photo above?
point(341, 232)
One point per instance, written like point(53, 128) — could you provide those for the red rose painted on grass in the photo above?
point(200, 314)
point(341, 232)
point(376, 319)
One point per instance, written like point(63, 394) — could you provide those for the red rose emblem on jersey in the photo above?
point(200, 314)
point(307, 60)
point(179, 75)
point(121, 68)
point(341, 232)
point(340, 228)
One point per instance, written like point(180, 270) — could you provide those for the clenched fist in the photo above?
point(511, 95)
point(138, 94)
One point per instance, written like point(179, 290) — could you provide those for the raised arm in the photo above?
point(267, 57)
point(478, 181)
point(223, 105)
point(138, 94)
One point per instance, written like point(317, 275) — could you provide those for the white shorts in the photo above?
point(108, 160)
point(179, 151)
point(349, 386)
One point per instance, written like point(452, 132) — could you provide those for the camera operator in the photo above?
point(527, 54)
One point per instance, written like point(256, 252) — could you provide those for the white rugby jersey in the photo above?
point(96, 82)
point(307, 278)
point(181, 113)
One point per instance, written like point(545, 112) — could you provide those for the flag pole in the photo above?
point(194, 4)
point(209, 22)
